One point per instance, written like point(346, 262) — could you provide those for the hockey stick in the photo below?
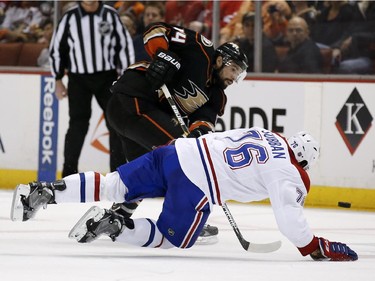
point(250, 247)
point(176, 112)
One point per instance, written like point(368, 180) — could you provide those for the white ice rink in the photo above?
point(40, 250)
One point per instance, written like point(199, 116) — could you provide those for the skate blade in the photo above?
point(80, 228)
point(16, 212)
point(206, 240)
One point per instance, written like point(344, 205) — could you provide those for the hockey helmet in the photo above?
point(305, 149)
point(231, 52)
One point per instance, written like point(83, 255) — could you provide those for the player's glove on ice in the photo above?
point(333, 251)
point(162, 68)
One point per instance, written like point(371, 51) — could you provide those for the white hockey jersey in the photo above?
point(250, 165)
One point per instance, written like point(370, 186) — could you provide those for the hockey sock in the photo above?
point(91, 187)
point(144, 234)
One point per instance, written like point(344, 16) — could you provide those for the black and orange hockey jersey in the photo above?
point(193, 87)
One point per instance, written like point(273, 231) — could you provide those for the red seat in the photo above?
point(9, 53)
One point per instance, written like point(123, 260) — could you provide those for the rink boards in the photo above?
point(338, 113)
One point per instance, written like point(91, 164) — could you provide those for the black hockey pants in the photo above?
point(141, 124)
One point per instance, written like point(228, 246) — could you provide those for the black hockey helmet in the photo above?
point(232, 52)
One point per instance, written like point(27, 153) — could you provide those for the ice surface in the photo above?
point(41, 250)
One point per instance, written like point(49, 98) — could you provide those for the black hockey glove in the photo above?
point(200, 128)
point(196, 133)
point(162, 68)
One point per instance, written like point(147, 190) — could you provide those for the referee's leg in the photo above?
point(79, 99)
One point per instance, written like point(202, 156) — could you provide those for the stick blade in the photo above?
point(264, 248)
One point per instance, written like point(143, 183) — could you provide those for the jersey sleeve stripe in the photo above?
point(213, 172)
point(206, 172)
point(155, 38)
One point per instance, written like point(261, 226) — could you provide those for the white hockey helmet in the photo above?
point(305, 149)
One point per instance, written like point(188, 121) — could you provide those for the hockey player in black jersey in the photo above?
point(196, 75)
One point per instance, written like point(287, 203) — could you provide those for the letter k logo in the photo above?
point(353, 121)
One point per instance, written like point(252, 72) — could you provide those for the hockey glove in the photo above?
point(199, 128)
point(195, 133)
point(162, 68)
point(333, 251)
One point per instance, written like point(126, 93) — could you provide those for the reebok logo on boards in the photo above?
point(48, 121)
point(353, 121)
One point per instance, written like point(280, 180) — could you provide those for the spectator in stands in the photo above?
point(46, 8)
point(355, 53)
point(228, 10)
point(233, 30)
point(275, 16)
point(303, 55)
point(183, 12)
point(246, 43)
point(7, 36)
point(22, 17)
point(305, 10)
point(3, 6)
point(134, 7)
point(154, 12)
point(131, 13)
point(331, 23)
point(130, 23)
point(37, 32)
point(43, 59)
point(46, 35)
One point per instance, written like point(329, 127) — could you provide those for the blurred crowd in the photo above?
point(298, 36)
point(26, 21)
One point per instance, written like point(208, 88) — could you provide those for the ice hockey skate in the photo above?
point(208, 235)
point(95, 222)
point(28, 199)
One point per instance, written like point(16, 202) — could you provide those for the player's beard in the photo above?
point(217, 79)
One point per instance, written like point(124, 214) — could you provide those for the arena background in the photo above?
point(338, 111)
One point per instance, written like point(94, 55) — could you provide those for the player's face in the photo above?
point(231, 72)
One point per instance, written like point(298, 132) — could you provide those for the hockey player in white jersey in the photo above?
point(194, 174)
